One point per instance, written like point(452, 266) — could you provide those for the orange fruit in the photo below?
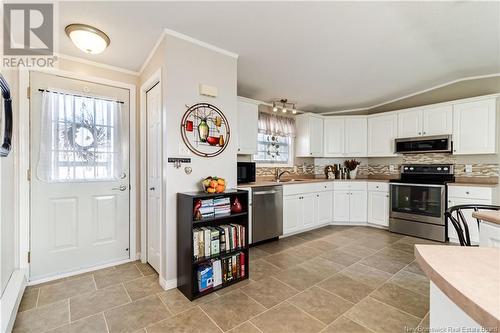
point(211, 190)
point(221, 181)
point(220, 188)
point(213, 183)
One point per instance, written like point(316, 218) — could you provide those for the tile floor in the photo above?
point(333, 279)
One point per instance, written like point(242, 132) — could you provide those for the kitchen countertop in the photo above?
point(469, 276)
point(473, 184)
point(259, 183)
point(488, 216)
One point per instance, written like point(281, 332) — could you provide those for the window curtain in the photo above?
point(80, 139)
point(272, 124)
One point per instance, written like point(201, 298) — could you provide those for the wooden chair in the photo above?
point(460, 223)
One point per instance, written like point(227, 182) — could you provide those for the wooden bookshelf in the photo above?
point(187, 264)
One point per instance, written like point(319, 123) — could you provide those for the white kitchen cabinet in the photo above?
point(356, 132)
point(309, 139)
point(437, 120)
point(340, 206)
point(409, 123)
point(382, 130)
point(474, 126)
point(324, 207)
point(345, 136)
point(248, 114)
point(334, 136)
point(357, 206)
point(292, 214)
point(468, 195)
point(489, 234)
point(309, 212)
point(378, 208)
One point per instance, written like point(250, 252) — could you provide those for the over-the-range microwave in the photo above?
point(424, 144)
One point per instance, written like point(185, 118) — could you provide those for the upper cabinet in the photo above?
point(345, 136)
point(427, 121)
point(309, 140)
point(248, 114)
point(474, 127)
point(382, 130)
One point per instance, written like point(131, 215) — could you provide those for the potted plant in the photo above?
point(352, 166)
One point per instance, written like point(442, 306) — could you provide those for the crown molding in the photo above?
point(97, 64)
point(152, 52)
point(469, 78)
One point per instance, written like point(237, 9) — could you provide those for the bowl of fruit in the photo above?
point(214, 185)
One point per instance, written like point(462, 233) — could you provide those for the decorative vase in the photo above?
point(203, 130)
point(353, 173)
point(236, 206)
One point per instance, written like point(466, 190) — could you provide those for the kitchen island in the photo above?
point(464, 287)
point(489, 228)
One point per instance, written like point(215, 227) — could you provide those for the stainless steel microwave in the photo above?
point(424, 144)
point(246, 172)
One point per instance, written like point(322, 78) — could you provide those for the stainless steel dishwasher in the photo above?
point(267, 213)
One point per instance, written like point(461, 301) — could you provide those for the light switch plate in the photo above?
point(468, 168)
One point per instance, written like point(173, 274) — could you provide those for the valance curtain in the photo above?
point(80, 139)
point(272, 124)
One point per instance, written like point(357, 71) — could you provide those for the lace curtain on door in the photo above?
point(80, 139)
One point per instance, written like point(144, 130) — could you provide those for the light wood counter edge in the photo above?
point(491, 216)
point(480, 315)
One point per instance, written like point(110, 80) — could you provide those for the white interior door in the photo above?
point(79, 166)
point(154, 161)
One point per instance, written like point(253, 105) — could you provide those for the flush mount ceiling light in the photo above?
point(284, 105)
point(87, 38)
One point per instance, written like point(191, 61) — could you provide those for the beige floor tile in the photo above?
point(231, 288)
point(345, 325)
point(424, 324)
point(359, 251)
point(306, 253)
point(388, 260)
point(293, 241)
point(29, 299)
point(256, 253)
point(274, 247)
point(141, 287)
point(284, 260)
point(176, 302)
point(232, 309)
point(322, 267)
point(65, 289)
point(268, 292)
point(286, 318)
point(298, 277)
point(412, 281)
point(43, 318)
point(338, 239)
point(94, 302)
point(93, 324)
point(321, 304)
point(403, 299)
point(116, 275)
point(340, 257)
point(346, 287)
point(321, 244)
point(136, 315)
point(381, 318)
point(192, 321)
point(146, 269)
point(246, 327)
point(414, 267)
point(367, 275)
point(260, 269)
point(309, 236)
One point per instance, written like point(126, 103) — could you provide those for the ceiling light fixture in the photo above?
point(87, 38)
point(284, 105)
point(275, 108)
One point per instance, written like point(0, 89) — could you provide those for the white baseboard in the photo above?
point(11, 298)
point(168, 284)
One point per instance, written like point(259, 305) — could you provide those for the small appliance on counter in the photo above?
point(246, 172)
point(418, 201)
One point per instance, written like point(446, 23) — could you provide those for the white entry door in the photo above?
point(154, 161)
point(79, 175)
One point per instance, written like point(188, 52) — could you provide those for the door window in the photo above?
point(80, 139)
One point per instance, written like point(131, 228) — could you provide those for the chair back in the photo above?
point(455, 214)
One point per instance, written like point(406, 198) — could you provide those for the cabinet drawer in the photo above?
point(378, 187)
point(292, 189)
point(350, 185)
point(485, 193)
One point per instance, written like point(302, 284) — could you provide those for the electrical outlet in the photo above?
point(468, 168)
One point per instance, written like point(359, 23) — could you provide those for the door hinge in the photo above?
point(29, 257)
point(28, 175)
point(28, 92)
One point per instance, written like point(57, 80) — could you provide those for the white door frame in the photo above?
point(24, 163)
point(154, 79)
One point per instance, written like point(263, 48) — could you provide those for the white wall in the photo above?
point(186, 66)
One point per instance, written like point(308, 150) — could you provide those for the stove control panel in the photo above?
point(446, 169)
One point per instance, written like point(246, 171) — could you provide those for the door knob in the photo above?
point(151, 188)
point(120, 188)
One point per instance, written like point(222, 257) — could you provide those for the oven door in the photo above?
point(418, 202)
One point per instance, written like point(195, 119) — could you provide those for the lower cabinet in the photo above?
point(324, 207)
point(350, 202)
point(378, 207)
point(489, 235)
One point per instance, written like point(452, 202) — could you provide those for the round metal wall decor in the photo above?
point(205, 130)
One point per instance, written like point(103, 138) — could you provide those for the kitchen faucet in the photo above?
point(278, 174)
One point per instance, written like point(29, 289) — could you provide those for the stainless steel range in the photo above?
point(418, 201)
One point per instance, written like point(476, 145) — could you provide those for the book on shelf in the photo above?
point(211, 241)
point(214, 242)
point(205, 277)
point(217, 272)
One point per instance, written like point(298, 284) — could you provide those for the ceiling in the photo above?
point(327, 56)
